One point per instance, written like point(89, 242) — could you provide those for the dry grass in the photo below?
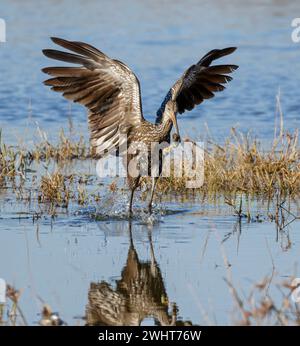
point(11, 313)
point(50, 318)
point(260, 308)
point(12, 162)
point(65, 149)
point(15, 160)
point(14, 312)
point(56, 188)
point(241, 165)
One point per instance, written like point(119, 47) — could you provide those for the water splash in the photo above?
point(114, 206)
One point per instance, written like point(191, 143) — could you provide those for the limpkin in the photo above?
point(111, 93)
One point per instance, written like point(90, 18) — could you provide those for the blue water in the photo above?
point(158, 40)
point(56, 260)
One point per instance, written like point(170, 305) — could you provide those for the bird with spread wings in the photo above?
point(111, 93)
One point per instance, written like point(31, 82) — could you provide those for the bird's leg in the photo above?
point(152, 255)
point(154, 181)
point(131, 200)
point(133, 186)
point(130, 233)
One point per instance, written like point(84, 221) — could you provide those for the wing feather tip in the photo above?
point(230, 49)
point(57, 40)
point(45, 70)
point(54, 38)
point(50, 53)
point(45, 51)
point(234, 67)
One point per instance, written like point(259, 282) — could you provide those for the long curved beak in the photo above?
point(176, 135)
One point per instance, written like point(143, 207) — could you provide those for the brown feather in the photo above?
point(198, 82)
point(107, 87)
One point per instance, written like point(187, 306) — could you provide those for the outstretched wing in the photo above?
point(107, 87)
point(199, 82)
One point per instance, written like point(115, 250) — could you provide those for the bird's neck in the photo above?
point(166, 126)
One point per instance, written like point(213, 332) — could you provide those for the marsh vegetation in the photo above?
point(258, 186)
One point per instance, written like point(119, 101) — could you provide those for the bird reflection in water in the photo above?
point(139, 294)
